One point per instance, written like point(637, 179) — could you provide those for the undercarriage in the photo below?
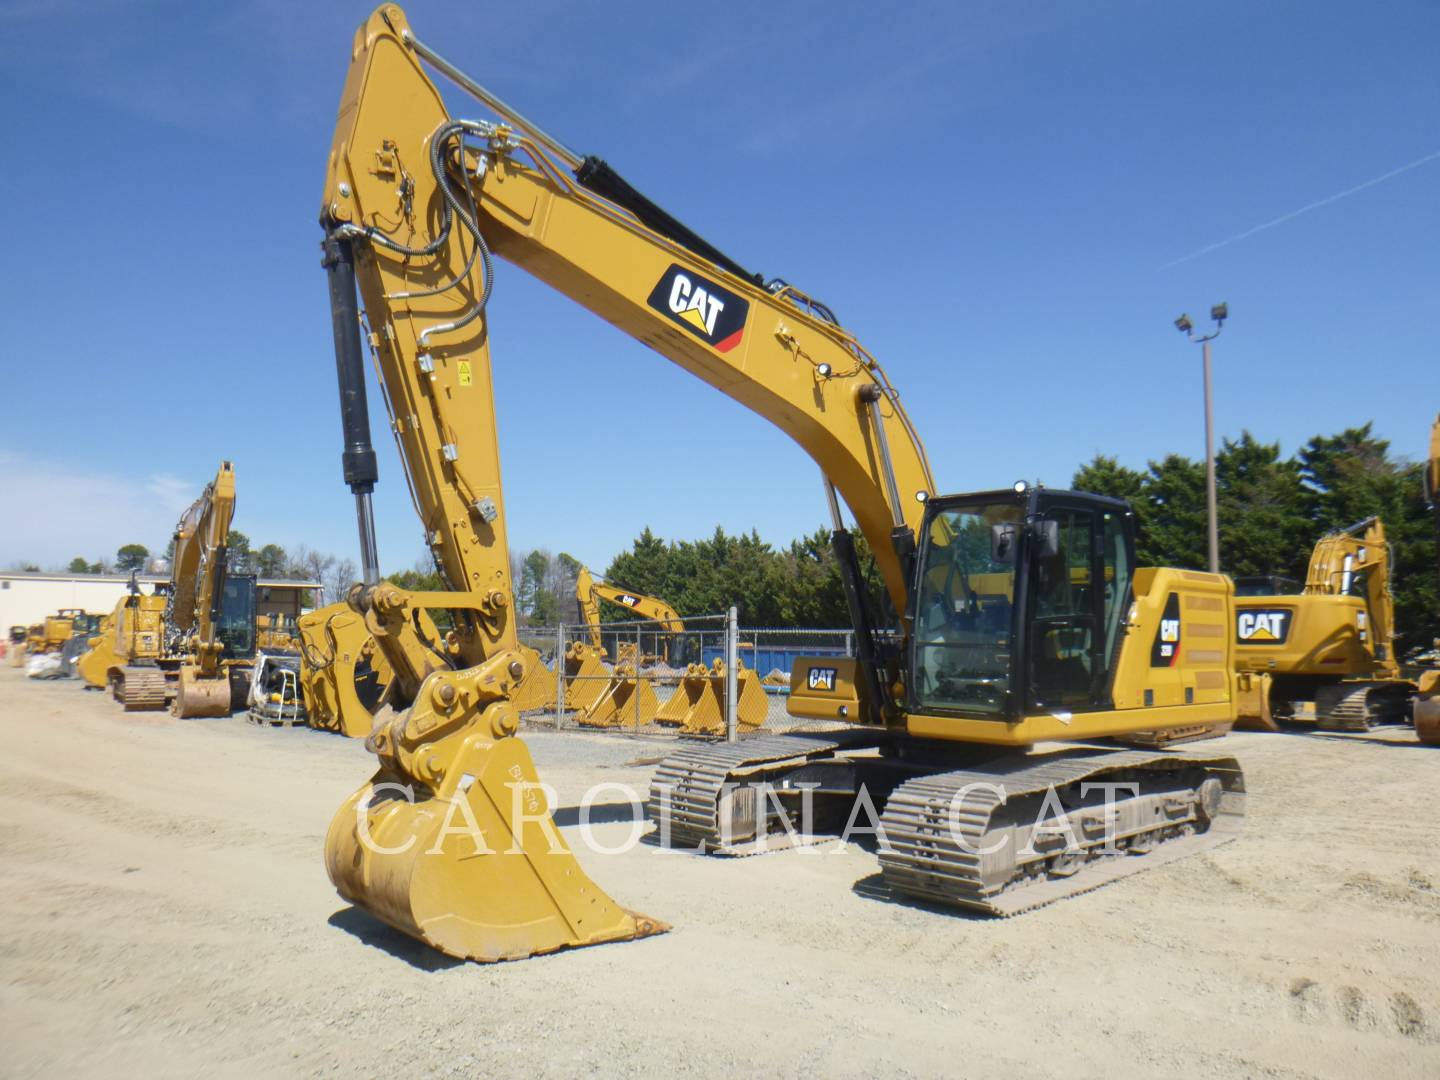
point(969, 827)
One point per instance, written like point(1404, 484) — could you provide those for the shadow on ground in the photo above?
point(600, 814)
point(873, 887)
point(373, 932)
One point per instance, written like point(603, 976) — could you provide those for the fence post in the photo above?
point(559, 674)
point(732, 687)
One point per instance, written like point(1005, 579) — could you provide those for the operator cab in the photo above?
point(235, 621)
point(1020, 603)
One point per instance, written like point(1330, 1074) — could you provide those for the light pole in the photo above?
point(1220, 312)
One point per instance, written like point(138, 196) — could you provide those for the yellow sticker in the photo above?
point(464, 372)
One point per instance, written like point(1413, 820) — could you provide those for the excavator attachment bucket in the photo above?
point(196, 695)
point(585, 676)
point(537, 689)
point(1427, 709)
point(475, 868)
point(626, 700)
point(686, 698)
point(698, 704)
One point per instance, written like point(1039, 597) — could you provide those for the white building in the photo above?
point(26, 598)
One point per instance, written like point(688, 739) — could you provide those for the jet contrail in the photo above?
point(1303, 210)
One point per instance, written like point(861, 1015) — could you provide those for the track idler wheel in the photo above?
point(474, 867)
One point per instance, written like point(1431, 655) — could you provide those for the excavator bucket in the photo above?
point(1427, 709)
point(698, 704)
point(196, 695)
point(679, 705)
point(537, 689)
point(585, 676)
point(476, 868)
point(627, 700)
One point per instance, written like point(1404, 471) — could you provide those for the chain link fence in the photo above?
point(714, 679)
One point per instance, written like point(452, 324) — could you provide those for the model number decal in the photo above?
point(1165, 649)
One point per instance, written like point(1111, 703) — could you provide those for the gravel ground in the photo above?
point(166, 911)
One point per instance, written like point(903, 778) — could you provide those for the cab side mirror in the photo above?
point(1046, 536)
point(1004, 538)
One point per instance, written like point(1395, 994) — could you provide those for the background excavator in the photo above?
point(1069, 641)
point(53, 634)
point(1327, 653)
point(1427, 701)
point(604, 694)
point(619, 695)
point(195, 641)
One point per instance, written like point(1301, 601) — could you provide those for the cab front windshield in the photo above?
point(963, 619)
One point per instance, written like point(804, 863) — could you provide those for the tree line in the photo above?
point(1272, 509)
point(269, 561)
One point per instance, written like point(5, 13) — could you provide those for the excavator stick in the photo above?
point(475, 868)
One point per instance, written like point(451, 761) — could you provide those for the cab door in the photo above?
point(1078, 595)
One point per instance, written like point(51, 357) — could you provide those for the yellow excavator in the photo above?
point(52, 634)
point(451, 841)
point(1427, 700)
point(194, 642)
point(1325, 654)
point(621, 696)
point(607, 695)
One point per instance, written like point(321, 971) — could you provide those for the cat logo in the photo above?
point(1169, 629)
point(710, 312)
point(628, 600)
point(1268, 626)
point(821, 678)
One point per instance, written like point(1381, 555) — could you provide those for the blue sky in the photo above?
point(1001, 199)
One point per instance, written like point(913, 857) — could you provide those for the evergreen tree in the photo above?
point(131, 557)
point(1264, 527)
